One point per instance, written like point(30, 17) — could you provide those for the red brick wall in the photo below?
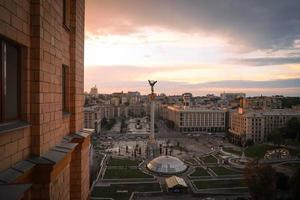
point(37, 25)
point(80, 179)
point(52, 44)
point(77, 63)
point(15, 26)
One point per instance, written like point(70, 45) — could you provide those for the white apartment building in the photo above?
point(195, 119)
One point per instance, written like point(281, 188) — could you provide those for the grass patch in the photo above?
point(111, 191)
point(200, 172)
point(220, 184)
point(259, 150)
point(122, 162)
point(231, 150)
point(209, 159)
point(123, 173)
point(191, 161)
point(221, 171)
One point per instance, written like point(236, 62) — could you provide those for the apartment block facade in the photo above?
point(44, 152)
point(261, 103)
point(256, 125)
point(195, 120)
point(93, 118)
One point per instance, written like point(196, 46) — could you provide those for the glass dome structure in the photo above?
point(166, 165)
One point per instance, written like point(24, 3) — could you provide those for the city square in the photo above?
point(149, 100)
point(213, 165)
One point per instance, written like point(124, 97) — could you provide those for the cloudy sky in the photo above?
point(196, 46)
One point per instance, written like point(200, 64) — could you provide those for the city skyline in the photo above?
point(193, 46)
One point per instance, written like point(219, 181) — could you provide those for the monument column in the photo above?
point(152, 113)
point(152, 143)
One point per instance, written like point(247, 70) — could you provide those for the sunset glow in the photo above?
point(124, 44)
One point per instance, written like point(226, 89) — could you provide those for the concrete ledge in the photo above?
point(14, 192)
point(8, 127)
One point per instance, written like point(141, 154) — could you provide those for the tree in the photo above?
point(282, 182)
point(295, 185)
point(170, 124)
point(276, 137)
point(293, 128)
point(249, 142)
point(103, 122)
point(261, 181)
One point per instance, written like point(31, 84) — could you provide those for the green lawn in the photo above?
point(122, 162)
point(221, 171)
point(220, 184)
point(192, 161)
point(209, 159)
point(200, 172)
point(259, 150)
point(231, 150)
point(111, 191)
point(116, 173)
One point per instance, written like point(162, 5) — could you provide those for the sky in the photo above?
point(196, 46)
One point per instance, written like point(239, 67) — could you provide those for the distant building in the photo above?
point(94, 90)
point(232, 96)
point(261, 103)
point(256, 125)
point(136, 110)
point(92, 118)
point(194, 119)
point(187, 98)
point(134, 97)
point(118, 94)
point(115, 101)
point(124, 100)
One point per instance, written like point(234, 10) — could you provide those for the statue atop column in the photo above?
point(152, 83)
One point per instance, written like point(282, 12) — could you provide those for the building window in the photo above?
point(67, 13)
point(65, 88)
point(10, 81)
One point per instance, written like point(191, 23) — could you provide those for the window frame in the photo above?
point(65, 88)
point(67, 18)
point(3, 43)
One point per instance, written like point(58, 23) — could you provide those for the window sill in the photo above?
point(12, 126)
point(66, 114)
point(67, 28)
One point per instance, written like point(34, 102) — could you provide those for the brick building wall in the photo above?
point(43, 135)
